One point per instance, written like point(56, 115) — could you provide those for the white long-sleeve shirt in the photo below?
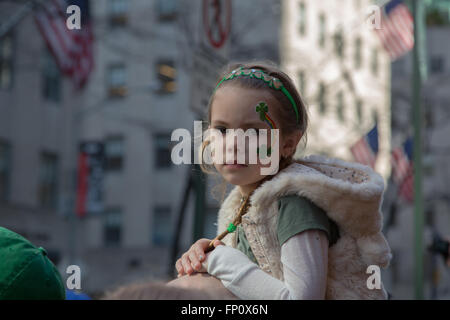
point(305, 261)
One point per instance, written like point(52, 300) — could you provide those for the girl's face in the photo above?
point(235, 108)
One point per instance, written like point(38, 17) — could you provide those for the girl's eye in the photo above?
point(222, 130)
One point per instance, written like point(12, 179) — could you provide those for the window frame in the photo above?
point(322, 97)
point(301, 76)
point(110, 168)
point(322, 30)
point(163, 239)
point(166, 79)
point(43, 200)
point(437, 64)
point(359, 104)
point(166, 15)
point(374, 64)
point(339, 44)
point(116, 90)
point(9, 61)
point(106, 231)
point(358, 53)
point(340, 106)
point(118, 18)
point(303, 18)
point(160, 164)
point(52, 79)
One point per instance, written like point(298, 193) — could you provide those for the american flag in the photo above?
point(72, 49)
point(365, 150)
point(402, 170)
point(397, 29)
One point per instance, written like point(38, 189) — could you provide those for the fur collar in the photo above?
point(350, 193)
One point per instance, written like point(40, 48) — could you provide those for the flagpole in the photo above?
point(418, 13)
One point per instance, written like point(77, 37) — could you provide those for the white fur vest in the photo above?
point(350, 193)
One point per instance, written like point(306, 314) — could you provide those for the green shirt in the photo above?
point(296, 214)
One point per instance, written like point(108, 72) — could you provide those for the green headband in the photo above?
point(273, 82)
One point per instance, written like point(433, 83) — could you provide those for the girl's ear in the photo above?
point(290, 142)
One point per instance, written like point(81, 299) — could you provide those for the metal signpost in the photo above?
point(210, 54)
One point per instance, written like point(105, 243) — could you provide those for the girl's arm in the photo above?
point(304, 258)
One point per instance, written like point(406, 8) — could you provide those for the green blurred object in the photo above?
point(26, 271)
point(437, 12)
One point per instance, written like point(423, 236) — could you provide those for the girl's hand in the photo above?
point(191, 261)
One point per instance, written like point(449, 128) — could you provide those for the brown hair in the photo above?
point(285, 111)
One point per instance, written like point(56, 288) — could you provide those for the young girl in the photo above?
point(311, 229)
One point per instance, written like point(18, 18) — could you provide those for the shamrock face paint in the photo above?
point(262, 108)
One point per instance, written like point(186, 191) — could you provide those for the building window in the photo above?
point(302, 19)
point(112, 227)
point(359, 110)
point(48, 181)
point(437, 64)
point(302, 82)
point(166, 74)
point(374, 115)
point(5, 171)
point(162, 151)
point(339, 45)
point(322, 98)
point(166, 9)
point(118, 10)
point(117, 80)
point(322, 30)
point(340, 106)
point(51, 89)
point(6, 62)
point(162, 226)
point(374, 64)
point(358, 55)
point(114, 151)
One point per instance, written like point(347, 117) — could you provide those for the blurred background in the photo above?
point(86, 117)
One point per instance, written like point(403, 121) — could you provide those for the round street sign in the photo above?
point(217, 21)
